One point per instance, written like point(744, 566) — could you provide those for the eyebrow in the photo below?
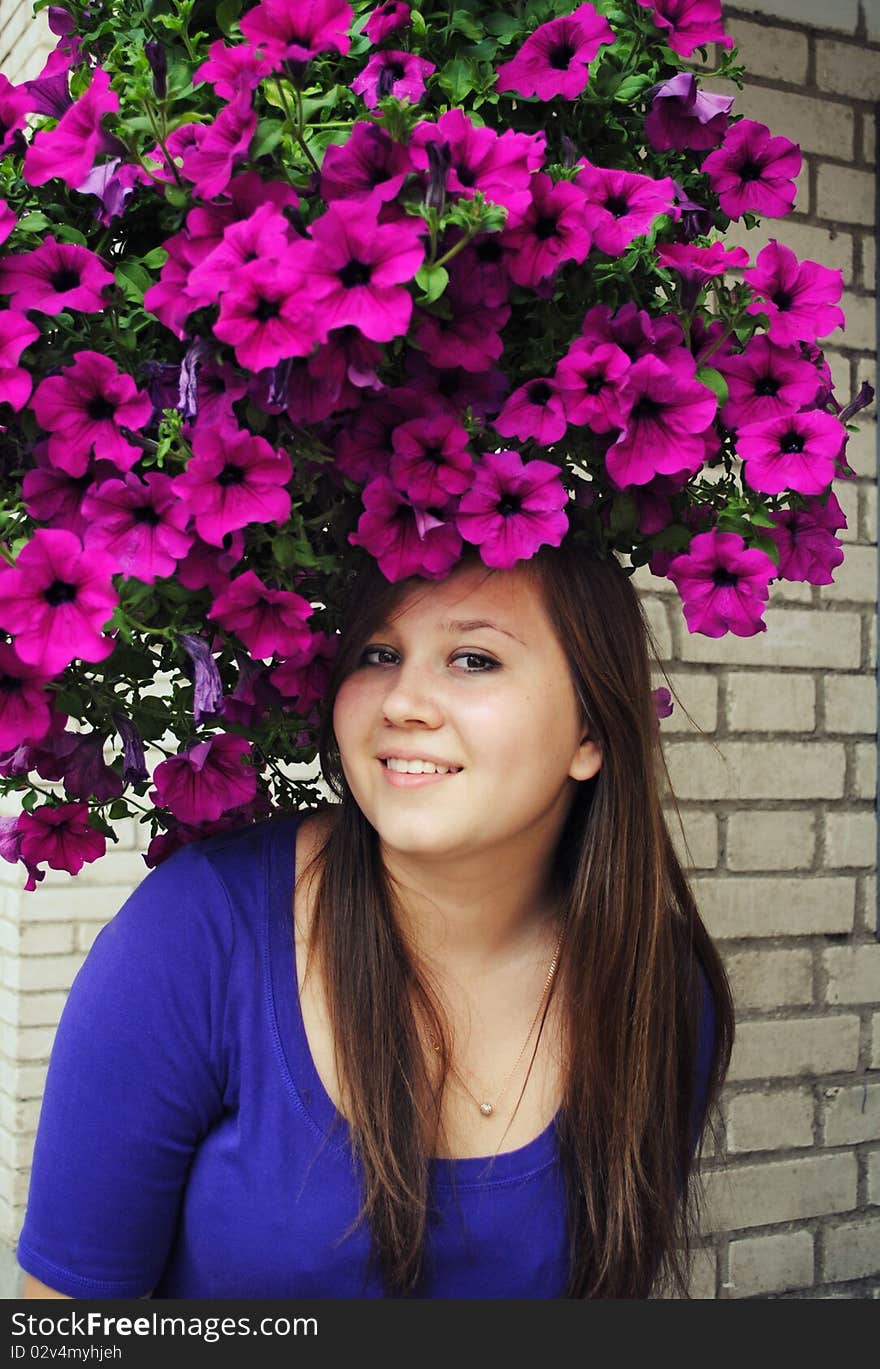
point(474, 624)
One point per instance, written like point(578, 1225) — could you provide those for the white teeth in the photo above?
point(419, 767)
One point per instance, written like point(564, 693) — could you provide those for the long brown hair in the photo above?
point(628, 972)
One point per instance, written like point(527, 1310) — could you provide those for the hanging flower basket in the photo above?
point(291, 285)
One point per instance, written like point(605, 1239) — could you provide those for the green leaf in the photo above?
point(133, 280)
point(433, 280)
point(761, 519)
point(768, 546)
point(227, 13)
point(34, 222)
point(155, 259)
point(65, 232)
point(630, 87)
point(714, 381)
point(267, 136)
point(118, 809)
point(624, 514)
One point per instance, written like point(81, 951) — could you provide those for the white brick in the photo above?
point(852, 1251)
point(851, 1114)
point(40, 1009)
point(875, 1041)
point(739, 907)
point(847, 495)
point(770, 1264)
point(861, 448)
point(866, 770)
point(42, 972)
point(850, 840)
point(696, 692)
point(802, 638)
point(701, 1284)
point(781, 1191)
point(869, 264)
point(848, 69)
point(768, 702)
point(868, 525)
point(82, 902)
point(30, 1081)
point(701, 834)
point(853, 974)
point(800, 1046)
point(655, 612)
point(874, 1177)
point(850, 703)
point(767, 979)
point(770, 1121)
point(855, 579)
point(827, 246)
point(771, 839)
point(757, 770)
point(845, 195)
point(777, 54)
point(46, 938)
point(826, 127)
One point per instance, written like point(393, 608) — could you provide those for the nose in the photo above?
point(412, 697)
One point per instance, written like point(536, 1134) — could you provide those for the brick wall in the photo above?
point(776, 779)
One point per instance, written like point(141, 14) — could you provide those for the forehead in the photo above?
point(509, 598)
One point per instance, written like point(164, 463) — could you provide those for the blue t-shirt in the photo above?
point(182, 1145)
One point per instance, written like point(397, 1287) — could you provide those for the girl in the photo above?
point(454, 1035)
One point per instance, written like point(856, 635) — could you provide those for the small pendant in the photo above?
point(486, 1109)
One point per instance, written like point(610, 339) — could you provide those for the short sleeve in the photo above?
point(135, 1080)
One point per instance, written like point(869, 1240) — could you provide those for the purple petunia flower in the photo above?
point(358, 270)
point(621, 205)
point(140, 523)
point(553, 231)
point(400, 74)
point(204, 781)
point(16, 333)
point(234, 478)
point(69, 150)
point(25, 704)
point(134, 767)
point(230, 70)
point(808, 549)
point(85, 410)
point(61, 836)
point(682, 115)
point(533, 411)
point(555, 59)
point(218, 146)
point(753, 172)
point(385, 19)
point(55, 276)
point(797, 297)
point(14, 107)
point(431, 460)
point(403, 539)
point(663, 431)
point(370, 163)
point(689, 24)
point(590, 379)
point(766, 381)
point(56, 600)
point(479, 159)
point(207, 685)
point(295, 31)
point(793, 452)
point(513, 508)
point(269, 622)
point(267, 314)
point(723, 584)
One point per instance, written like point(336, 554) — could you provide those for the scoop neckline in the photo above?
point(506, 1167)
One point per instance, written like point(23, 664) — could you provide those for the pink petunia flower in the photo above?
point(16, 333)
point(69, 150)
point(689, 24)
point(621, 205)
point(406, 540)
point(218, 146)
point(590, 382)
point(139, 523)
point(87, 408)
point(471, 337)
point(479, 159)
point(513, 508)
point(369, 164)
point(702, 263)
point(55, 276)
point(8, 220)
point(797, 297)
point(14, 107)
point(234, 478)
point(230, 70)
point(808, 549)
point(25, 703)
point(385, 19)
point(60, 836)
point(753, 172)
point(663, 430)
point(303, 680)
point(56, 600)
point(723, 584)
point(400, 74)
point(633, 330)
point(431, 460)
point(534, 411)
point(269, 622)
point(204, 781)
point(555, 59)
point(263, 236)
point(794, 452)
point(553, 231)
point(683, 116)
point(295, 31)
point(766, 381)
point(357, 272)
point(268, 312)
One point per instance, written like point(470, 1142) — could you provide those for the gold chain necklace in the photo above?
point(487, 1109)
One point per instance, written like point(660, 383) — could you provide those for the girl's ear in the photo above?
point(587, 759)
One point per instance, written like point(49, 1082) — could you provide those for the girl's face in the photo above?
point(498, 702)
